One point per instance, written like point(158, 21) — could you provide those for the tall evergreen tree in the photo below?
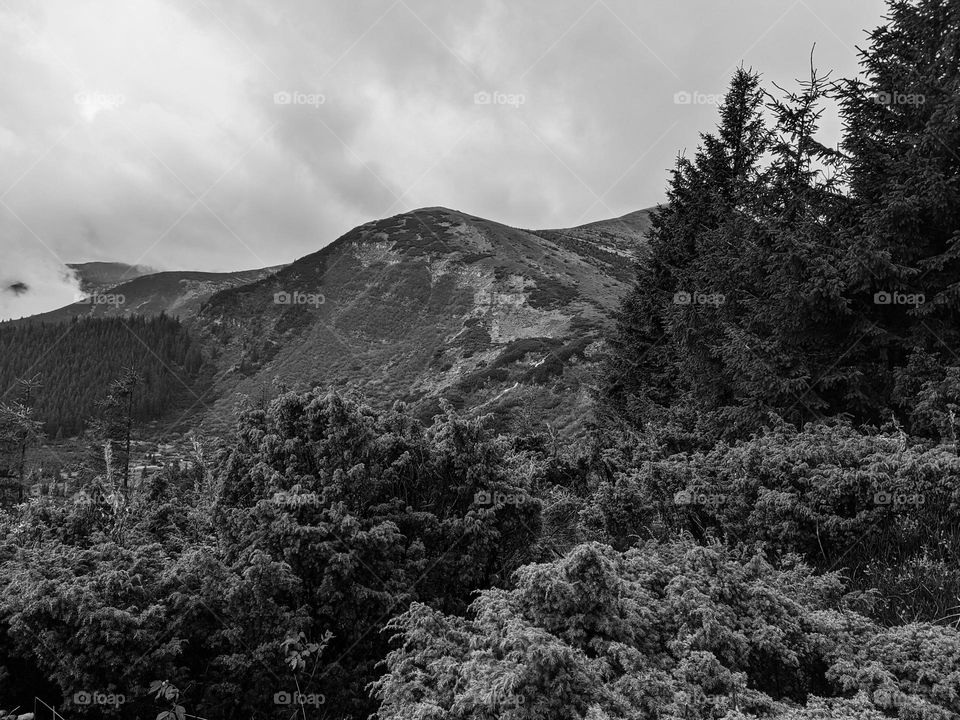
point(740, 307)
point(667, 330)
point(20, 430)
point(902, 136)
point(113, 427)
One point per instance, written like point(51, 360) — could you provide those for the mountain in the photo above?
point(427, 306)
point(176, 293)
point(98, 277)
point(609, 242)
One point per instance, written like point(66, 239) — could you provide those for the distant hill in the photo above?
point(100, 276)
point(176, 293)
point(427, 306)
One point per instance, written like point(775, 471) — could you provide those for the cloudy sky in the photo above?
point(230, 134)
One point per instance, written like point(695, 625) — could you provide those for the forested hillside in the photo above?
point(158, 348)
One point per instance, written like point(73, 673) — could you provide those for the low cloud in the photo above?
point(36, 283)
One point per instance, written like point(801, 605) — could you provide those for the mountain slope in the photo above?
point(430, 305)
point(607, 242)
point(176, 293)
point(97, 277)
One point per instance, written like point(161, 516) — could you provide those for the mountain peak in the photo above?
point(433, 209)
point(426, 305)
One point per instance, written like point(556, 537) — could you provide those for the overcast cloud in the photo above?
point(231, 134)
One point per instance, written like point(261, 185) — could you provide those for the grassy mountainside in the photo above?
point(430, 305)
point(609, 242)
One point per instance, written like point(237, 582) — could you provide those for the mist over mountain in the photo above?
point(100, 276)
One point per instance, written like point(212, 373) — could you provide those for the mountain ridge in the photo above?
point(428, 306)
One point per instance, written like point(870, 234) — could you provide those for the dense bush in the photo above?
point(886, 511)
point(326, 519)
point(671, 630)
point(372, 511)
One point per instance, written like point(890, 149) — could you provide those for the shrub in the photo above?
point(665, 630)
point(883, 509)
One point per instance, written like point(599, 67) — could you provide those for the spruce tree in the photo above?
point(902, 138)
point(667, 330)
point(113, 428)
point(19, 431)
point(740, 308)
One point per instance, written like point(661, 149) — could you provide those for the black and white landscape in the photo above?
point(420, 360)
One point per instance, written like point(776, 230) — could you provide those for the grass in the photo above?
point(550, 293)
